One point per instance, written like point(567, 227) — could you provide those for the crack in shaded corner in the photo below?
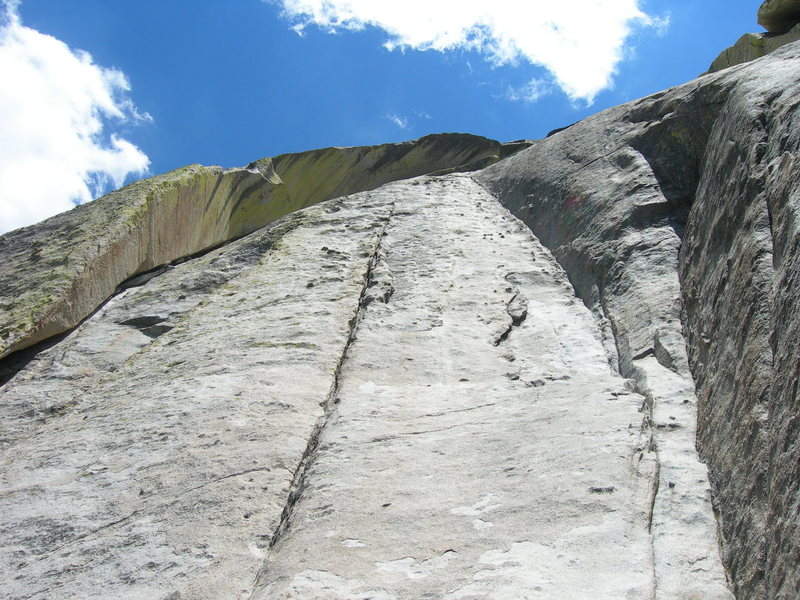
point(299, 478)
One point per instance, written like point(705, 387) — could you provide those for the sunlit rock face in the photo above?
point(444, 369)
point(392, 394)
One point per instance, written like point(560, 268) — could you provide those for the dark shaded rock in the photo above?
point(678, 213)
point(557, 130)
point(778, 16)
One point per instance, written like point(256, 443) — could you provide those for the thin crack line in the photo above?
point(299, 479)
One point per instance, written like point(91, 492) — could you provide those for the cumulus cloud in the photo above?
point(580, 42)
point(55, 106)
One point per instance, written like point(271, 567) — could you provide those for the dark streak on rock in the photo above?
point(299, 480)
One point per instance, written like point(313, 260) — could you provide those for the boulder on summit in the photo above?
point(779, 16)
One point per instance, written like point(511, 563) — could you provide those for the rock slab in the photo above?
point(391, 395)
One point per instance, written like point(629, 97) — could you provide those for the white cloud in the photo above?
point(531, 91)
point(53, 106)
point(401, 122)
point(579, 41)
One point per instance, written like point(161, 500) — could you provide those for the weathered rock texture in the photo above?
point(488, 385)
point(678, 213)
point(59, 271)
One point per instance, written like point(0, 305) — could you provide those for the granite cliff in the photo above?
point(450, 368)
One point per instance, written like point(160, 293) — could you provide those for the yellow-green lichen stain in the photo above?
point(57, 272)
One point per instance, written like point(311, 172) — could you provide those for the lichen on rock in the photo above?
point(59, 271)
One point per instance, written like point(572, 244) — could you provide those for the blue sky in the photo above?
point(229, 82)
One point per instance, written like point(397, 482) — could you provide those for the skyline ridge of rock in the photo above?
point(91, 249)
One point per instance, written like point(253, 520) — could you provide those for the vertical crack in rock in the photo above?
point(381, 284)
point(653, 549)
point(655, 486)
point(299, 479)
point(608, 327)
point(649, 451)
point(429, 410)
point(680, 522)
point(770, 417)
point(728, 278)
point(773, 427)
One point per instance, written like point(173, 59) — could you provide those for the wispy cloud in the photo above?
point(399, 121)
point(55, 107)
point(531, 91)
point(580, 42)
